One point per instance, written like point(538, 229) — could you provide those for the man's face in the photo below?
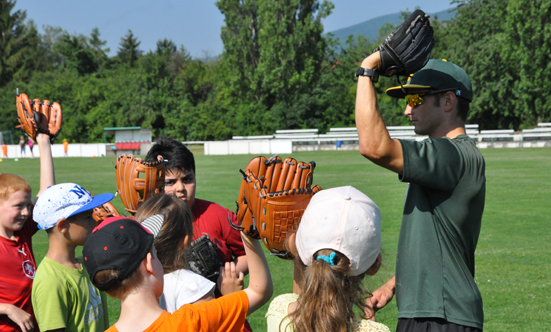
point(425, 117)
point(181, 182)
point(14, 211)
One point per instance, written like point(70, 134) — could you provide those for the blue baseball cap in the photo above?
point(65, 200)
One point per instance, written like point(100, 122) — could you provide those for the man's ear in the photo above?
point(376, 266)
point(450, 99)
point(62, 226)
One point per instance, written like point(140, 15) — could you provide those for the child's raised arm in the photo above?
point(260, 288)
point(47, 176)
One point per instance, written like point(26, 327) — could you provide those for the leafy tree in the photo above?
point(273, 49)
point(96, 44)
point(165, 46)
point(35, 56)
point(13, 40)
point(77, 54)
point(526, 48)
point(475, 44)
point(128, 49)
point(51, 37)
point(241, 48)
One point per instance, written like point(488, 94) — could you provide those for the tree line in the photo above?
point(278, 70)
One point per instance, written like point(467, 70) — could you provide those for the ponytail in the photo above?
point(329, 295)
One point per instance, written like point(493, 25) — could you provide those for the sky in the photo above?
point(195, 24)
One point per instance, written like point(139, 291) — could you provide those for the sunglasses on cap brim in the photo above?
point(416, 99)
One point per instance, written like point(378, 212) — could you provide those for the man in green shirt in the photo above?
point(434, 282)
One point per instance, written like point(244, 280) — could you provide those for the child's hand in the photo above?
point(229, 281)
point(21, 318)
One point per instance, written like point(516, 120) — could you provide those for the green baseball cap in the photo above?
point(437, 75)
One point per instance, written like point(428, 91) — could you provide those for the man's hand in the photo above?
point(380, 298)
point(230, 280)
point(19, 317)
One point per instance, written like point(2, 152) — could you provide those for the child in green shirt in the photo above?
point(63, 296)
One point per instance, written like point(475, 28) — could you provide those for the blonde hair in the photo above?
point(328, 297)
point(10, 184)
point(177, 225)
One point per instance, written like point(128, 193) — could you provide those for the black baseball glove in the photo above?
point(407, 49)
point(202, 257)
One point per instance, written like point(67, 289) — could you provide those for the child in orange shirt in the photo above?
point(121, 260)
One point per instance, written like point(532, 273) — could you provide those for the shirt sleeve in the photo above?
point(30, 225)
point(232, 236)
point(105, 308)
point(50, 298)
point(432, 163)
point(224, 314)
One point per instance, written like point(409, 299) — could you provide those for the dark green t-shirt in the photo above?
point(440, 228)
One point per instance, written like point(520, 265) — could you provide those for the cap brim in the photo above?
point(396, 92)
point(94, 203)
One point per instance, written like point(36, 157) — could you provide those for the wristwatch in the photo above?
point(373, 73)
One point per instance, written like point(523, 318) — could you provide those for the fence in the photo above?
point(74, 150)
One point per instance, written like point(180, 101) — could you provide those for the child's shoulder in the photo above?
point(49, 267)
point(203, 209)
point(371, 326)
point(280, 303)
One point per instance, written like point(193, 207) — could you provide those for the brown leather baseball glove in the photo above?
point(105, 211)
point(133, 187)
point(25, 115)
point(47, 116)
point(38, 116)
point(272, 199)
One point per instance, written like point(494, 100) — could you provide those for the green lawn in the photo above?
point(513, 266)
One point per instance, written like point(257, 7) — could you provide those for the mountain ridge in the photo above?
point(370, 28)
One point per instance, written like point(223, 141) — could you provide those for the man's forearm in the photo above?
point(375, 141)
point(371, 128)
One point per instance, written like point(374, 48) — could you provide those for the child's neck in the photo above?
point(8, 234)
point(138, 311)
point(63, 253)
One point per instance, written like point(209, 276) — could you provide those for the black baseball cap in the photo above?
point(438, 75)
point(119, 244)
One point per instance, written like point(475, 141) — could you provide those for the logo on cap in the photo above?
point(79, 191)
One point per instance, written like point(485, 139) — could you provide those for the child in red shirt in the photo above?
point(16, 230)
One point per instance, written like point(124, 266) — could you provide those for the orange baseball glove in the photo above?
point(25, 115)
point(134, 189)
point(272, 199)
point(38, 116)
point(105, 211)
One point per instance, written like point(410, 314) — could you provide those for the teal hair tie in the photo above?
point(330, 260)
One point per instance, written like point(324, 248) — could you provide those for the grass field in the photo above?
point(513, 260)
